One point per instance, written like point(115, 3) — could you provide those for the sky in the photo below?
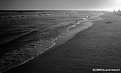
point(60, 4)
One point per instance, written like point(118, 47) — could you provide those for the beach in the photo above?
point(97, 47)
point(24, 37)
point(88, 49)
point(60, 36)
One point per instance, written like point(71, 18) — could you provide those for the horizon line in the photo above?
point(62, 9)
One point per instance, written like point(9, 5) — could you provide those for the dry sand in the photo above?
point(96, 47)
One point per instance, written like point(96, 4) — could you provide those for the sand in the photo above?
point(96, 47)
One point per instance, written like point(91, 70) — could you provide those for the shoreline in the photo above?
point(70, 34)
point(29, 59)
point(64, 38)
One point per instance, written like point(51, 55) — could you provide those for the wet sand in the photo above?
point(95, 47)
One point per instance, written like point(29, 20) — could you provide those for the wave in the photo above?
point(19, 60)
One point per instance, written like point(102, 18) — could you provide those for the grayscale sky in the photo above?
point(60, 4)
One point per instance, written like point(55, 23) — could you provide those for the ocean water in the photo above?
point(27, 34)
